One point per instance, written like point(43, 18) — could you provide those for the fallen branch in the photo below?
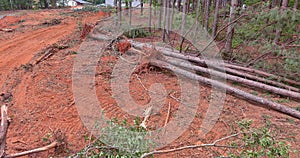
point(3, 129)
point(45, 148)
point(168, 115)
point(258, 58)
point(236, 79)
point(48, 53)
point(232, 90)
point(6, 30)
point(214, 144)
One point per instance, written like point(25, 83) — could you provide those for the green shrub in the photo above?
point(137, 33)
point(258, 142)
point(119, 140)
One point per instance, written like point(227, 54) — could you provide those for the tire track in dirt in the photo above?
point(19, 50)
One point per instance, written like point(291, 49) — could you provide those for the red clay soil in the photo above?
point(42, 98)
point(43, 101)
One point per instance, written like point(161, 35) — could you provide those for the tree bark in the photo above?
point(183, 22)
point(279, 30)
point(188, 6)
point(229, 89)
point(230, 68)
point(120, 12)
point(241, 80)
point(216, 18)
point(160, 13)
point(206, 14)
point(198, 12)
point(172, 15)
point(130, 12)
point(296, 4)
point(274, 3)
point(179, 5)
point(150, 14)
point(165, 21)
point(142, 7)
point(230, 29)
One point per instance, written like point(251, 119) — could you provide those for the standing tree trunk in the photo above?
point(203, 11)
point(279, 30)
point(165, 20)
point(150, 14)
point(11, 5)
point(206, 14)
point(197, 12)
point(160, 12)
point(296, 4)
point(142, 7)
point(188, 6)
point(195, 3)
point(172, 15)
point(130, 12)
point(168, 16)
point(230, 29)
point(216, 18)
point(179, 5)
point(46, 4)
point(274, 3)
point(183, 24)
point(53, 3)
point(120, 12)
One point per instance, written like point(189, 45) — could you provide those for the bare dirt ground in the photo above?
point(42, 99)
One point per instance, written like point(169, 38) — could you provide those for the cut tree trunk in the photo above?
point(241, 80)
point(229, 89)
point(226, 67)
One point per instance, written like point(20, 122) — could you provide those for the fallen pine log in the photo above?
point(265, 74)
point(272, 89)
point(227, 68)
point(232, 90)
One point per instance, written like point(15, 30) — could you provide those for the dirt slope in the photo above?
point(21, 49)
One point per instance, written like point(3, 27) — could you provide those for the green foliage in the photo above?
point(16, 4)
point(251, 2)
point(119, 140)
point(258, 142)
point(259, 30)
point(4, 5)
point(137, 33)
point(265, 23)
point(90, 8)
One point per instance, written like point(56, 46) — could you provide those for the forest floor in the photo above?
point(42, 99)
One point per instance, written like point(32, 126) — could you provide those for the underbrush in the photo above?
point(131, 141)
point(118, 140)
point(257, 31)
